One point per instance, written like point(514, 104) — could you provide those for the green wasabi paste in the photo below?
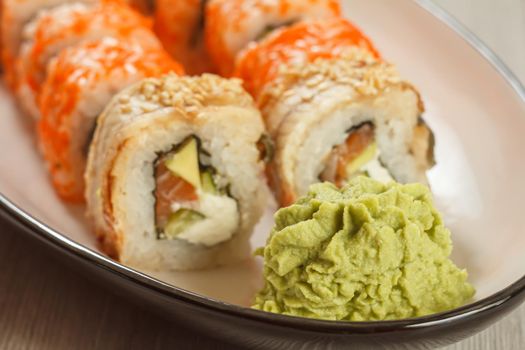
point(368, 251)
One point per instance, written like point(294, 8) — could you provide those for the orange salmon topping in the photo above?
point(302, 42)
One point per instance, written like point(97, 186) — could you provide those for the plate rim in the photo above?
point(470, 311)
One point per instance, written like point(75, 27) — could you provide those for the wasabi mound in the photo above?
point(368, 251)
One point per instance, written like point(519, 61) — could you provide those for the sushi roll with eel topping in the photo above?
point(333, 109)
point(175, 179)
point(334, 119)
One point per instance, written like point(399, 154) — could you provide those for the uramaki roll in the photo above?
point(179, 24)
point(337, 118)
point(72, 24)
point(302, 42)
point(232, 24)
point(80, 82)
point(175, 179)
point(15, 15)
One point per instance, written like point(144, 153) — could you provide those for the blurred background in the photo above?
point(500, 24)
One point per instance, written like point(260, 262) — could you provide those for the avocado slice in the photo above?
point(367, 155)
point(208, 185)
point(180, 221)
point(185, 162)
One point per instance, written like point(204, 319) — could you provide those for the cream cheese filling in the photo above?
point(376, 170)
point(221, 219)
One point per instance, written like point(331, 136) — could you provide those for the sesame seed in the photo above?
point(357, 69)
point(125, 108)
point(123, 99)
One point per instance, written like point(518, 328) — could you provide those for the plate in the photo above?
point(476, 108)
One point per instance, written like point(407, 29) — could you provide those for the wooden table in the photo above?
point(45, 305)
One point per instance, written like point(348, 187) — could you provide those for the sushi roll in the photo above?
point(80, 82)
point(232, 24)
point(175, 178)
point(302, 42)
point(179, 25)
point(71, 24)
point(334, 119)
point(15, 15)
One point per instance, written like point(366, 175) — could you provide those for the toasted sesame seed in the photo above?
point(189, 94)
point(126, 108)
point(123, 99)
point(296, 85)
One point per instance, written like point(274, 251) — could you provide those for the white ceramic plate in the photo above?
point(478, 119)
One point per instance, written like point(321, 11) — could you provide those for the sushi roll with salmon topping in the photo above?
point(231, 25)
point(175, 178)
point(302, 42)
point(72, 24)
point(179, 25)
point(15, 15)
point(334, 119)
point(81, 80)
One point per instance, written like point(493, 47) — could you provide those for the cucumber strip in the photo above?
point(179, 221)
